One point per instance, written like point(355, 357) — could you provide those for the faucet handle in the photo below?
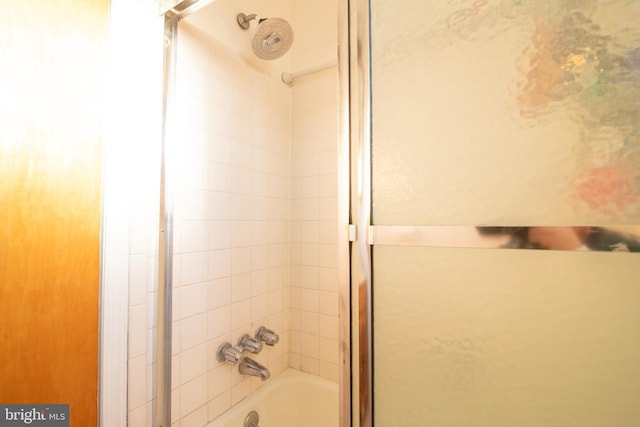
point(267, 335)
point(229, 354)
point(247, 342)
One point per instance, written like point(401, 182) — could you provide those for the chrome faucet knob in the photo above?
point(252, 345)
point(229, 354)
point(267, 335)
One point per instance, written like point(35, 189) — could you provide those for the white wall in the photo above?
point(315, 25)
point(231, 245)
point(131, 207)
point(314, 227)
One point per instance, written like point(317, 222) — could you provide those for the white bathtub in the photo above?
point(291, 399)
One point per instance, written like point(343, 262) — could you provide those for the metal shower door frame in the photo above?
point(363, 234)
point(360, 210)
point(162, 408)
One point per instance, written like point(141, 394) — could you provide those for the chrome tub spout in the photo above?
point(249, 366)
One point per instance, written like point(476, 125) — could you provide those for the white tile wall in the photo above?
point(231, 251)
point(314, 262)
point(255, 232)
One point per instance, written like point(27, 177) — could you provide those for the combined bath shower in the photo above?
point(273, 36)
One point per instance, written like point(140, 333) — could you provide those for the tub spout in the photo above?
point(251, 367)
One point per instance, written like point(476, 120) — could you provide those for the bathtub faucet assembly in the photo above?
point(233, 354)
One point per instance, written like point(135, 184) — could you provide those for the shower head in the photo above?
point(272, 38)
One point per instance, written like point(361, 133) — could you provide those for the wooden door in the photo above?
point(52, 70)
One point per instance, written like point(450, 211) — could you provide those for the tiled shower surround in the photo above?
point(314, 228)
point(255, 225)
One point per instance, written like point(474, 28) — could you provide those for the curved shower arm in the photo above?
point(244, 20)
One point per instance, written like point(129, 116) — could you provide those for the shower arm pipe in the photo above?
point(245, 20)
point(289, 78)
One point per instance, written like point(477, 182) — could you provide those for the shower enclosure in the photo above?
point(385, 256)
point(483, 127)
point(249, 217)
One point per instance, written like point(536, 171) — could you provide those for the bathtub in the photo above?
point(291, 399)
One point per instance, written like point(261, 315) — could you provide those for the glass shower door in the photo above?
point(504, 117)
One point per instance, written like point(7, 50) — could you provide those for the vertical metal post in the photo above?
point(361, 204)
point(344, 190)
point(165, 244)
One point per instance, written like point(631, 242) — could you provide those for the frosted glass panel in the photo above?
point(491, 338)
point(505, 112)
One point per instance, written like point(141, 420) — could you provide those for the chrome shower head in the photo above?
point(273, 37)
